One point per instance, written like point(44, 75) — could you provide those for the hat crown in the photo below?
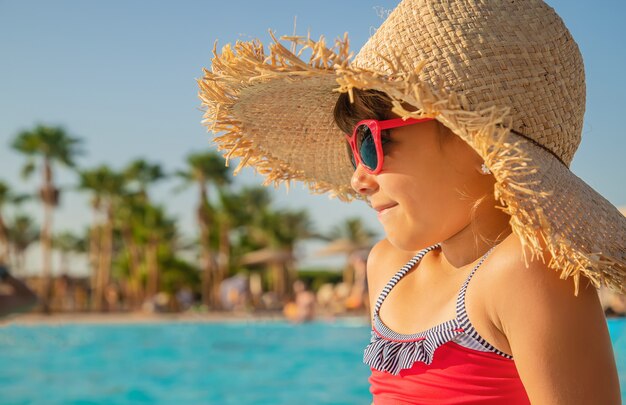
point(515, 54)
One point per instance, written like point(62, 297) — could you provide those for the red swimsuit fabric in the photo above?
point(457, 376)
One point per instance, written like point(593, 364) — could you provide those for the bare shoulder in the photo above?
point(522, 291)
point(383, 262)
point(515, 280)
point(559, 341)
point(386, 258)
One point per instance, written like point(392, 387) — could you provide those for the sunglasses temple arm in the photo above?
point(400, 122)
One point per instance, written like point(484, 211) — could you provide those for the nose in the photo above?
point(363, 182)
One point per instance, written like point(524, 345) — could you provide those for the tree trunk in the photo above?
point(206, 262)
point(105, 256)
point(46, 250)
point(290, 274)
point(152, 262)
point(94, 252)
point(278, 279)
point(134, 263)
point(348, 275)
point(48, 195)
point(206, 259)
point(222, 263)
point(18, 255)
point(4, 243)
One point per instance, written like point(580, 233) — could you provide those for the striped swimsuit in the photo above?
point(449, 363)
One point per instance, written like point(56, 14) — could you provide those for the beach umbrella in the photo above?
point(278, 263)
point(341, 247)
point(266, 256)
point(347, 248)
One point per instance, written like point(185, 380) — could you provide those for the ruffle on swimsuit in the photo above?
point(392, 352)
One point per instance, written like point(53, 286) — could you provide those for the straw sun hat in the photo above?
point(505, 76)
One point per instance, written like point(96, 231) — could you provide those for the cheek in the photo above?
point(418, 222)
point(435, 205)
point(436, 188)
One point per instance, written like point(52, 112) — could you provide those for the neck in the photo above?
point(488, 228)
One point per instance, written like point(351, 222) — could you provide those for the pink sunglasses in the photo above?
point(366, 144)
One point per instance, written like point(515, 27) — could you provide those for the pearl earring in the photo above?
point(484, 169)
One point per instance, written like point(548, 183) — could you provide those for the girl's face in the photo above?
point(429, 183)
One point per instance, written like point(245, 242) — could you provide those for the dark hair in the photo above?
point(367, 104)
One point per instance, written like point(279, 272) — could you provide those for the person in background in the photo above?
point(303, 308)
point(358, 294)
point(15, 296)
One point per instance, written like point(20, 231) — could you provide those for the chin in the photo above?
point(410, 242)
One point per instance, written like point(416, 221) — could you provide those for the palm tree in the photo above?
point(281, 231)
point(52, 145)
point(22, 232)
point(107, 187)
point(150, 238)
point(253, 204)
point(67, 243)
point(234, 211)
point(5, 197)
point(205, 170)
point(161, 238)
point(354, 230)
point(228, 216)
point(141, 173)
point(130, 221)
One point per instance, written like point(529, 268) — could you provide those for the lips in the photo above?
point(383, 208)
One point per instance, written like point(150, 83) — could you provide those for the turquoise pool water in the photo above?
point(184, 363)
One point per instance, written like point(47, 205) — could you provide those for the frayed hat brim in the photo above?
point(274, 112)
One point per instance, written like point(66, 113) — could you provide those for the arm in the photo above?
point(22, 299)
point(560, 342)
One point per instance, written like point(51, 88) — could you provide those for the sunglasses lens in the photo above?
point(366, 146)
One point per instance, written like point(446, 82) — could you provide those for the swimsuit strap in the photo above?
point(405, 269)
point(460, 301)
point(463, 320)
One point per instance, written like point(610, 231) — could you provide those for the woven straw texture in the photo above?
point(506, 77)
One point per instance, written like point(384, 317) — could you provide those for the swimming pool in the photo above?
point(195, 363)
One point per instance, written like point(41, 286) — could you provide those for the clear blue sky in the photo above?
point(121, 75)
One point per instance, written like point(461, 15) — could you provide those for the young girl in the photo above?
point(456, 122)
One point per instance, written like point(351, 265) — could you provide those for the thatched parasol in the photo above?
point(265, 256)
point(341, 247)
